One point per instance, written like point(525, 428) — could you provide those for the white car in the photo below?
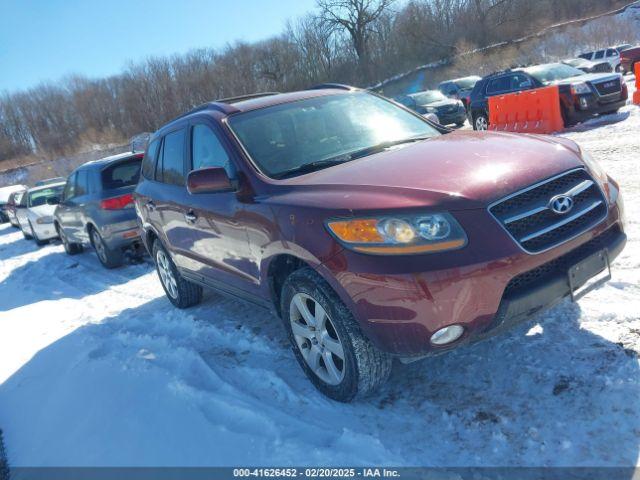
point(35, 212)
point(4, 198)
point(611, 55)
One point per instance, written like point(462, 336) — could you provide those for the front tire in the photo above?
point(40, 243)
point(181, 292)
point(327, 341)
point(481, 122)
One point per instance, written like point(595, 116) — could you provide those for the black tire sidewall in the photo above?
point(304, 282)
point(113, 258)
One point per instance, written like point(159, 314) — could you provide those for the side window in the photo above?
point(498, 85)
point(173, 158)
point(70, 187)
point(520, 82)
point(149, 161)
point(599, 54)
point(207, 151)
point(612, 52)
point(82, 183)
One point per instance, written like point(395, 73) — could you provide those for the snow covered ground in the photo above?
point(97, 368)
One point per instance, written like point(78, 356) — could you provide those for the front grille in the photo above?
point(560, 265)
point(529, 219)
point(608, 87)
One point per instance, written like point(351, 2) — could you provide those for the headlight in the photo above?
point(42, 220)
point(580, 88)
point(600, 176)
point(400, 235)
point(431, 109)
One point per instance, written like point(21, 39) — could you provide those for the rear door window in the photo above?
point(172, 165)
point(149, 162)
point(121, 174)
point(82, 183)
point(70, 187)
point(498, 85)
point(599, 54)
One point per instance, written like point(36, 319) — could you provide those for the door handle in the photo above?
point(150, 205)
point(190, 217)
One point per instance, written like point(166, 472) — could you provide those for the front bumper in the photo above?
point(120, 235)
point(459, 116)
point(409, 299)
point(588, 105)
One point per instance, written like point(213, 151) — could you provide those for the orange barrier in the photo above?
point(636, 94)
point(529, 111)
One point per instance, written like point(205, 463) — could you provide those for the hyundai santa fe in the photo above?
point(371, 232)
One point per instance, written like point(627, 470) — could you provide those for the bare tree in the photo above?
point(358, 18)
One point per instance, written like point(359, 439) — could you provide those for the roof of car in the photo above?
point(112, 158)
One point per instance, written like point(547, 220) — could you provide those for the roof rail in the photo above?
point(338, 86)
point(249, 96)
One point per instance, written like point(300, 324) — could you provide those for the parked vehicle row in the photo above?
point(582, 96)
point(370, 231)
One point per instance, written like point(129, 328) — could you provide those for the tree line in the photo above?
point(358, 42)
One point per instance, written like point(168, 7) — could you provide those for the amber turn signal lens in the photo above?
point(357, 231)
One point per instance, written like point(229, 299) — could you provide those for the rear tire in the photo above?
point(330, 347)
point(108, 258)
point(181, 292)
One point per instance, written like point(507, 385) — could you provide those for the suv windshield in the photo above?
point(424, 98)
point(552, 72)
point(40, 197)
point(318, 131)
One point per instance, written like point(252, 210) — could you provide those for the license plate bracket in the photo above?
point(585, 270)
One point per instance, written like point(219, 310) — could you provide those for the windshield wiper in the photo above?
point(381, 147)
point(313, 166)
point(346, 157)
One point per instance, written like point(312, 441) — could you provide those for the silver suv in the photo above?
point(97, 208)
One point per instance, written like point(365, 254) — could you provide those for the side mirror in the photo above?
point(209, 180)
point(53, 200)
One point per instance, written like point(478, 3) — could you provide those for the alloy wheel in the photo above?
point(317, 339)
point(481, 123)
point(166, 274)
point(99, 246)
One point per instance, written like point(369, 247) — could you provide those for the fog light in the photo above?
point(447, 335)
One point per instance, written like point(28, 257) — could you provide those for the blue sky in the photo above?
point(45, 40)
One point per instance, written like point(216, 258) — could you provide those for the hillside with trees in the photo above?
point(359, 42)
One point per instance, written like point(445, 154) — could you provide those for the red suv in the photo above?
point(370, 232)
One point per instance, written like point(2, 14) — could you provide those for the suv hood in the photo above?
point(456, 171)
point(588, 77)
point(441, 103)
point(43, 210)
